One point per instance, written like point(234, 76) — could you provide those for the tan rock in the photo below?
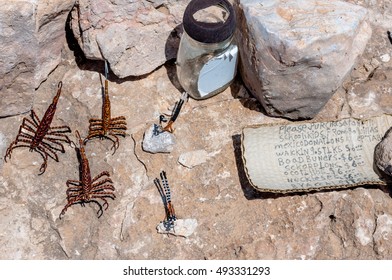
point(135, 38)
point(295, 55)
point(32, 37)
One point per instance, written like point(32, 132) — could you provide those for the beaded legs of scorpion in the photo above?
point(88, 189)
point(176, 111)
point(39, 136)
point(107, 127)
point(166, 197)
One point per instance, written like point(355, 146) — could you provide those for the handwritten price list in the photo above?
point(313, 155)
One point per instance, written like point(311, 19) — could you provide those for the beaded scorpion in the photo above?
point(39, 136)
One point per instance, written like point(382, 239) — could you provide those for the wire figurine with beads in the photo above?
point(164, 191)
point(176, 111)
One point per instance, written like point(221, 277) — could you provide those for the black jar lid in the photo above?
point(208, 32)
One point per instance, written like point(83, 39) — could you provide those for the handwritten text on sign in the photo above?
point(313, 155)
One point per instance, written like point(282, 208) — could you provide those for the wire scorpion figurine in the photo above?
point(107, 127)
point(39, 136)
point(164, 191)
point(88, 190)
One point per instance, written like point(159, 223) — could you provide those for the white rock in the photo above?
point(182, 227)
point(295, 54)
point(193, 158)
point(385, 58)
point(162, 143)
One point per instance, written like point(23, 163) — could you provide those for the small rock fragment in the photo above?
point(161, 143)
point(383, 154)
point(385, 58)
point(182, 227)
point(193, 158)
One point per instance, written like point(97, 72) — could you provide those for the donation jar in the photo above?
point(207, 55)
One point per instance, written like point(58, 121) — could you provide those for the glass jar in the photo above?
point(207, 55)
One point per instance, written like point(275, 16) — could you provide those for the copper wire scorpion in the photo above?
point(87, 189)
point(39, 136)
point(107, 126)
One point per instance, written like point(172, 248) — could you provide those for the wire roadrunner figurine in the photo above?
point(166, 197)
point(176, 111)
point(107, 127)
point(39, 136)
point(88, 190)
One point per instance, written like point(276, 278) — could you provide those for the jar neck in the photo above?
point(209, 46)
point(209, 32)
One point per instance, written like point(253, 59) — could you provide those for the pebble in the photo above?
point(182, 227)
point(385, 58)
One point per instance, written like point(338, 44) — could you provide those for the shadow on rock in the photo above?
point(171, 50)
point(239, 91)
point(89, 64)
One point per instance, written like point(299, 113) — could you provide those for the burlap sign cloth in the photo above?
point(306, 156)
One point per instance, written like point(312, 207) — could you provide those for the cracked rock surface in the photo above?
point(233, 220)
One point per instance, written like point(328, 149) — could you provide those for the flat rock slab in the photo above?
point(234, 221)
point(296, 54)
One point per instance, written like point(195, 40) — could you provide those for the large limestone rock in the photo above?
point(296, 54)
point(32, 35)
point(135, 37)
point(50, 18)
point(17, 57)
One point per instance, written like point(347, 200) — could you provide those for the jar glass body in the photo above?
point(206, 69)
